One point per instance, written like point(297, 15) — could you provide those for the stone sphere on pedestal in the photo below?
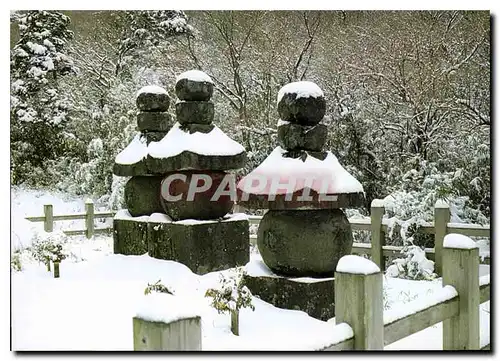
point(152, 98)
point(302, 103)
point(194, 85)
point(300, 243)
point(200, 207)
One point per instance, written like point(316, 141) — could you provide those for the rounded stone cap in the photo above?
point(152, 98)
point(194, 85)
point(301, 102)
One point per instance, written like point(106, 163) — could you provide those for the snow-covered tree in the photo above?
point(39, 110)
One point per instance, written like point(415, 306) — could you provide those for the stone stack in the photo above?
point(142, 191)
point(166, 158)
point(304, 233)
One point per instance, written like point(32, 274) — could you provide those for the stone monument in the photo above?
point(304, 232)
point(179, 195)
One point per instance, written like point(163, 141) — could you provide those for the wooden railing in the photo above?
point(89, 216)
point(374, 224)
point(359, 305)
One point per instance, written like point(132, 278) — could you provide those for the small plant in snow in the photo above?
point(231, 296)
point(15, 262)
point(414, 266)
point(157, 287)
point(48, 247)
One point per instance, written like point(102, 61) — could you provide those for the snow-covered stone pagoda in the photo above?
point(305, 232)
point(170, 159)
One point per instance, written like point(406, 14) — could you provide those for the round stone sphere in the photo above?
point(200, 205)
point(142, 195)
point(301, 102)
point(194, 85)
point(152, 99)
point(304, 243)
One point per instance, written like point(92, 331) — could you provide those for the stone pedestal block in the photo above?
point(130, 236)
point(295, 136)
point(198, 112)
point(316, 297)
point(154, 121)
point(203, 246)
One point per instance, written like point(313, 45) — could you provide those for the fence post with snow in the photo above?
point(89, 219)
point(48, 223)
point(166, 323)
point(441, 219)
point(461, 270)
point(378, 235)
point(359, 301)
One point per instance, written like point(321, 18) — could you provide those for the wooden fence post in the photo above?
point(180, 335)
point(359, 301)
point(378, 236)
point(48, 224)
point(89, 219)
point(441, 219)
point(461, 270)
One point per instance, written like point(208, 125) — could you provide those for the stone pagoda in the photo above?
point(304, 232)
point(178, 198)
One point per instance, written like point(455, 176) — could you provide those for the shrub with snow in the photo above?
point(49, 247)
point(231, 296)
point(414, 266)
point(157, 287)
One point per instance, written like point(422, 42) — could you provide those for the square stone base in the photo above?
point(203, 246)
point(315, 296)
point(130, 236)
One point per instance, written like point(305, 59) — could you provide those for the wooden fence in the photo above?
point(361, 323)
point(374, 224)
point(358, 303)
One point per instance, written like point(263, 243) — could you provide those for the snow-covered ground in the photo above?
point(90, 307)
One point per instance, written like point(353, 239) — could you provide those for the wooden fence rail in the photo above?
point(375, 224)
point(358, 300)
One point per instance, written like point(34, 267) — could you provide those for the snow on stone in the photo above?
point(484, 280)
point(159, 307)
point(123, 214)
point(454, 240)
point(177, 141)
point(356, 265)
point(303, 89)
point(136, 151)
point(159, 218)
point(257, 268)
point(323, 176)
point(282, 122)
point(152, 89)
point(194, 75)
point(226, 218)
point(444, 294)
